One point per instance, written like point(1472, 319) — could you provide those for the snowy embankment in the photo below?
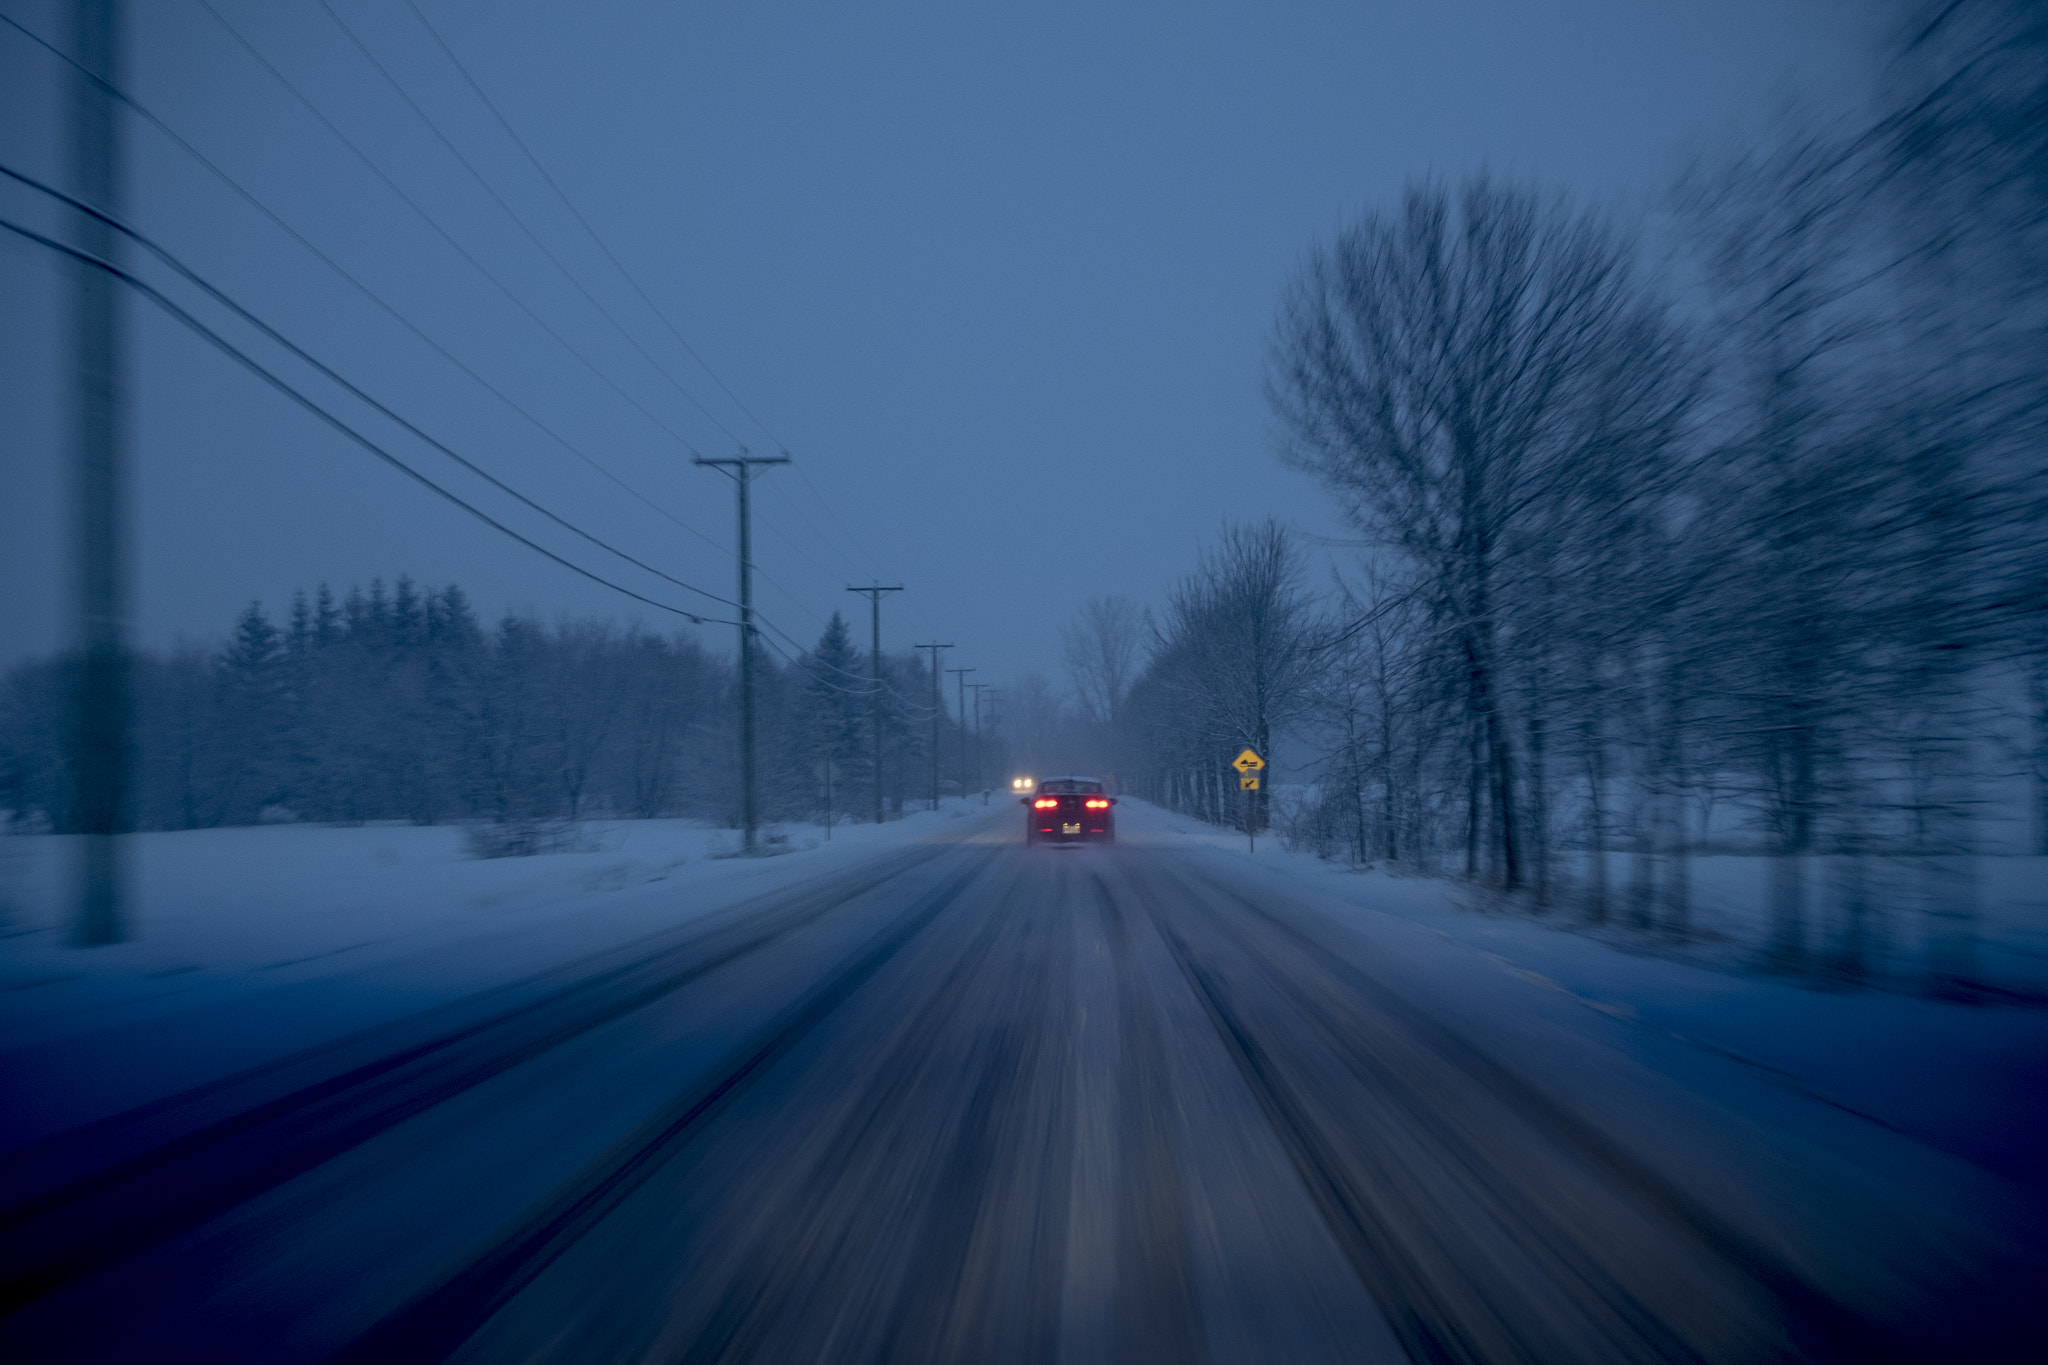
point(1971, 1080)
point(254, 942)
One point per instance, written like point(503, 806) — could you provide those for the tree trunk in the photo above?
point(1596, 817)
point(1677, 865)
point(1787, 949)
point(1473, 780)
point(2040, 765)
point(1539, 812)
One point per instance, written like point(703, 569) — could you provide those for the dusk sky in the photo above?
point(999, 278)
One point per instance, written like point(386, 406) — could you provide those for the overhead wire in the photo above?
point(518, 221)
point(798, 662)
point(185, 145)
point(874, 564)
point(178, 139)
point(797, 545)
point(285, 387)
point(440, 231)
point(807, 661)
point(633, 283)
point(477, 88)
point(799, 646)
point(527, 151)
point(328, 372)
point(816, 534)
point(867, 682)
point(356, 40)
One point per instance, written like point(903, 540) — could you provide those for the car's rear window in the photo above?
point(1069, 788)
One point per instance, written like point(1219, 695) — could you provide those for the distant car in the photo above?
point(1069, 810)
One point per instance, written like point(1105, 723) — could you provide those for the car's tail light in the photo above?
point(1045, 803)
point(1097, 805)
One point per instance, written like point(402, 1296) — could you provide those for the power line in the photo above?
point(632, 282)
point(356, 40)
point(797, 661)
point(442, 232)
point(602, 246)
point(851, 538)
point(284, 387)
point(852, 561)
point(334, 377)
point(866, 685)
point(807, 661)
point(228, 180)
point(519, 222)
point(797, 545)
point(182, 143)
point(888, 688)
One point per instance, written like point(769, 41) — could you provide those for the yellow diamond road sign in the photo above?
point(1248, 762)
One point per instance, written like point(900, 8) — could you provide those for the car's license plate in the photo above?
point(1070, 829)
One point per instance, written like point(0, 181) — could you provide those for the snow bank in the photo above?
point(1971, 1080)
point(253, 942)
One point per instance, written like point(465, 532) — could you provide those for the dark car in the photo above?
point(1069, 810)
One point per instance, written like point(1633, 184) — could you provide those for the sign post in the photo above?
point(1248, 765)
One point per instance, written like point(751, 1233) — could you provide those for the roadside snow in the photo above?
point(251, 943)
point(1970, 1080)
point(254, 943)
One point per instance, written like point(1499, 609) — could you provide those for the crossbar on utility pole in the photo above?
point(97, 737)
point(960, 677)
point(874, 592)
point(741, 471)
point(938, 713)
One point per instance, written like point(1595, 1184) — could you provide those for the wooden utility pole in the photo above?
point(960, 677)
point(977, 689)
point(938, 714)
point(874, 592)
point(740, 469)
point(98, 742)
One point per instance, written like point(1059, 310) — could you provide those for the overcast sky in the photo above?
point(998, 276)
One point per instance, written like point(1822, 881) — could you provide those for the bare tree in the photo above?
point(1373, 704)
point(1447, 371)
point(1239, 652)
point(1103, 647)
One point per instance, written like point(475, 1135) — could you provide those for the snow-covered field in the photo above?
point(253, 942)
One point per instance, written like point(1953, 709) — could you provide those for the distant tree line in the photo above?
point(1749, 545)
point(400, 705)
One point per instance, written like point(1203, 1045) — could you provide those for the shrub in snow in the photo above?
point(770, 841)
point(1305, 822)
point(525, 838)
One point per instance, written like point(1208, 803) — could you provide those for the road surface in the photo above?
point(973, 1102)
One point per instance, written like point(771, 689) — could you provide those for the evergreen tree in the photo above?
point(252, 717)
point(839, 740)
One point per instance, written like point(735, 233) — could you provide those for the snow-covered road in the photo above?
point(929, 1095)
